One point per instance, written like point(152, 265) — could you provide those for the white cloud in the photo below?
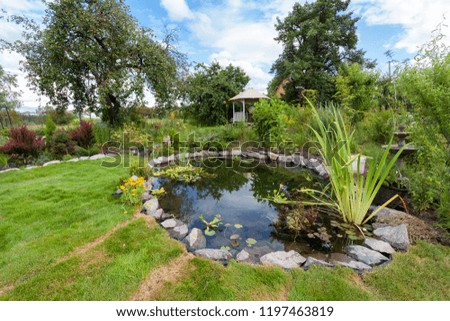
point(418, 18)
point(177, 9)
point(241, 33)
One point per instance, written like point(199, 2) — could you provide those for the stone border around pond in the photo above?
point(360, 258)
point(294, 160)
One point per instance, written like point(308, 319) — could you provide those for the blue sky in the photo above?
point(241, 32)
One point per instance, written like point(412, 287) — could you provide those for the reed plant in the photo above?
point(350, 193)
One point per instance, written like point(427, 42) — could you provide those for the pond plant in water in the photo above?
point(188, 174)
point(350, 194)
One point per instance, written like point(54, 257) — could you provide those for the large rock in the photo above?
point(170, 223)
point(365, 255)
point(355, 265)
point(73, 160)
point(243, 256)
point(176, 228)
point(151, 206)
point(287, 260)
point(378, 245)
point(214, 254)
point(397, 236)
point(312, 261)
point(180, 231)
point(195, 240)
point(158, 214)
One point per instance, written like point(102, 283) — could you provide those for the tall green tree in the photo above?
point(357, 89)
point(93, 55)
point(209, 90)
point(317, 39)
point(8, 96)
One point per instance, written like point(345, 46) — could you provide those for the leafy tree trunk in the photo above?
point(113, 110)
point(9, 117)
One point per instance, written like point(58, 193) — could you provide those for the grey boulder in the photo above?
point(151, 206)
point(286, 260)
point(195, 240)
point(365, 255)
point(214, 254)
point(397, 236)
point(378, 245)
point(312, 261)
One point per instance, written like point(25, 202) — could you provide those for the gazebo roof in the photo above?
point(249, 94)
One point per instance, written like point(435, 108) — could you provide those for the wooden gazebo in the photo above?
point(249, 96)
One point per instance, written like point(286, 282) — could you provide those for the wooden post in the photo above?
point(233, 112)
point(243, 103)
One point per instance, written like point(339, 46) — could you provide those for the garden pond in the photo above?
point(237, 197)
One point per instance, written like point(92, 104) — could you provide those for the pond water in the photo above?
point(238, 192)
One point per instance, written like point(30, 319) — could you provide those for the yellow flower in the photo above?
point(122, 187)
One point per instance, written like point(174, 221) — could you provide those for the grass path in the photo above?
point(63, 237)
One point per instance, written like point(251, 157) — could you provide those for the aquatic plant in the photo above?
point(212, 225)
point(350, 194)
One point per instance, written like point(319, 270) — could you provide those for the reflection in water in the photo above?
point(238, 195)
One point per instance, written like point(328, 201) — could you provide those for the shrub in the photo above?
point(49, 129)
point(61, 144)
point(83, 135)
point(270, 120)
point(375, 127)
point(102, 133)
point(23, 142)
point(138, 170)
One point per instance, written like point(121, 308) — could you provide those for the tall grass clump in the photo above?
point(351, 193)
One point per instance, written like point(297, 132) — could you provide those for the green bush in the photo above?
point(61, 144)
point(375, 127)
point(42, 159)
point(270, 119)
point(102, 133)
point(141, 171)
point(50, 127)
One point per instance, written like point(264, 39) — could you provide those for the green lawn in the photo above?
point(47, 214)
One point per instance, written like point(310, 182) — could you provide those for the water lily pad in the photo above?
point(235, 243)
point(225, 248)
point(235, 237)
point(209, 232)
point(238, 226)
point(228, 225)
point(250, 241)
